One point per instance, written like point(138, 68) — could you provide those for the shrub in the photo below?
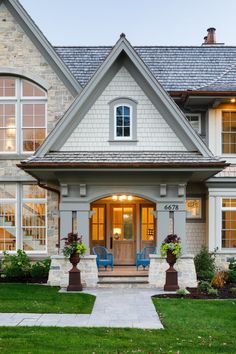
point(233, 291)
point(212, 291)
point(204, 261)
point(206, 275)
point(15, 266)
point(40, 270)
point(204, 285)
point(232, 276)
point(232, 265)
point(182, 292)
point(220, 279)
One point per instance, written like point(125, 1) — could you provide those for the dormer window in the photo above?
point(123, 122)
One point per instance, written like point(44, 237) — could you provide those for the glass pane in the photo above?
point(119, 111)
point(193, 207)
point(126, 111)
point(126, 121)
point(7, 87)
point(119, 121)
point(101, 215)
point(119, 131)
point(33, 214)
point(94, 232)
point(34, 239)
point(7, 191)
point(7, 239)
point(144, 215)
point(101, 232)
point(32, 90)
point(126, 131)
point(117, 215)
point(33, 191)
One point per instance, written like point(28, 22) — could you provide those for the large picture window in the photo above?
point(228, 232)
point(229, 132)
point(22, 115)
point(23, 218)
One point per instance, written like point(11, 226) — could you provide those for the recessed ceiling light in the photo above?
point(233, 100)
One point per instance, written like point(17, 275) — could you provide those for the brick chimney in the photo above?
point(210, 39)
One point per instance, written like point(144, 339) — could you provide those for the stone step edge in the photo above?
point(123, 282)
point(122, 275)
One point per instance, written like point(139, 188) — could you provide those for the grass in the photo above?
point(191, 327)
point(42, 299)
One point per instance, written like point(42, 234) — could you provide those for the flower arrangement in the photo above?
point(73, 244)
point(171, 243)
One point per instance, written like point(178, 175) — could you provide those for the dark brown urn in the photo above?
point(74, 274)
point(171, 274)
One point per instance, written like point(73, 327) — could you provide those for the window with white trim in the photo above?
point(22, 115)
point(229, 132)
point(228, 229)
point(195, 121)
point(194, 208)
point(23, 218)
point(123, 122)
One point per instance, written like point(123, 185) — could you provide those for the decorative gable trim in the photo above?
point(176, 119)
point(43, 45)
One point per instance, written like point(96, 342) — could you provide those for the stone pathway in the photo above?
point(121, 308)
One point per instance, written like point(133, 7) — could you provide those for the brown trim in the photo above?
point(202, 93)
point(26, 166)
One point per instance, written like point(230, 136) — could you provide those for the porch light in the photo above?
point(122, 197)
point(130, 197)
point(233, 100)
point(114, 197)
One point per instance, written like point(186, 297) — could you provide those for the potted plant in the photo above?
point(74, 248)
point(171, 249)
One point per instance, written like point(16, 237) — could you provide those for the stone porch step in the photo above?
point(122, 278)
point(123, 284)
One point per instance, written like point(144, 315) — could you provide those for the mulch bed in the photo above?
point(195, 293)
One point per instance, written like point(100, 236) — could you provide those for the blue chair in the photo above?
point(142, 258)
point(104, 258)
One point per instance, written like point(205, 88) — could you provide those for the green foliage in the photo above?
point(205, 262)
point(40, 270)
point(182, 292)
point(15, 266)
point(171, 243)
point(204, 285)
point(212, 291)
point(232, 276)
point(206, 275)
point(73, 244)
point(232, 265)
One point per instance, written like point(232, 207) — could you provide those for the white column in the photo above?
point(162, 227)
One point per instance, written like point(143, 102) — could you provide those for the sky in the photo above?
point(145, 22)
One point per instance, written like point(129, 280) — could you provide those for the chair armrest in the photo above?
point(98, 257)
point(139, 255)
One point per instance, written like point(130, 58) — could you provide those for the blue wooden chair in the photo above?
point(142, 258)
point(104, 258)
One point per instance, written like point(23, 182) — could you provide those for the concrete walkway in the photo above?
point(121, 308)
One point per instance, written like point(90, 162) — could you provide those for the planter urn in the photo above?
point(74, 274)
point(171, 274)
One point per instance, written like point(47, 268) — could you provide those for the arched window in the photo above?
point(22, 115)
point(123, 122)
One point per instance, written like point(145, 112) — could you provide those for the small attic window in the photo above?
point(195, 121)
point(123, 120)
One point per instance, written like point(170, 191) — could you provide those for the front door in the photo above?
point(123, 234)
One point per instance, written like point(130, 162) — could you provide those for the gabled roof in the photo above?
point(43, 45)
point(176, 68)
point(175, 116)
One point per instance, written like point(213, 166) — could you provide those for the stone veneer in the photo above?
point(18, 51)
point(185, 267)
point(222, 260)
point(59, 276)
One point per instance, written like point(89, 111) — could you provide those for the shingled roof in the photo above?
point(159, 159)
point(204, 68)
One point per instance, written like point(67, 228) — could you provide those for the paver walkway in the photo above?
point(121, 308)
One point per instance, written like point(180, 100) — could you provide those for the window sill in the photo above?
point(124, 141)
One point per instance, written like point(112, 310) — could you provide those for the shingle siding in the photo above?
point(153, 133)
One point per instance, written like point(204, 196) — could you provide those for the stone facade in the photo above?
point(185, 267)
point(18, 52)
point(59, 276)
point(153, 133)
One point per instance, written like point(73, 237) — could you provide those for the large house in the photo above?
point(121, 144)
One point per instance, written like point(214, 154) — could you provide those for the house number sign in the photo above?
point(171, 207)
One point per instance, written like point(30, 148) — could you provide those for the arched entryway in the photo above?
point(124, 224)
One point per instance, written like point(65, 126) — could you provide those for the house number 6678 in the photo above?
point(171, 207)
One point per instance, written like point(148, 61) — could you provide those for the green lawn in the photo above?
point(42, 299)
point(192, 327)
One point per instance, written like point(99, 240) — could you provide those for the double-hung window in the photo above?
point(229, 132)
point(23, 218)
point(195, 121)
point(123, 122)
point(22, 115)
point(228, 230)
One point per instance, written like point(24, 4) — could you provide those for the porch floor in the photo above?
point(124, 271)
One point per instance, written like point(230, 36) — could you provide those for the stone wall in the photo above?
point(185, 267)
point(59, 276)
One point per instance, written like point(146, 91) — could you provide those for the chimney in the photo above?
point(210, 39)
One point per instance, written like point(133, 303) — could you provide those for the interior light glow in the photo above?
point(233, 100)
point(114, 197)
point(130, 197)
